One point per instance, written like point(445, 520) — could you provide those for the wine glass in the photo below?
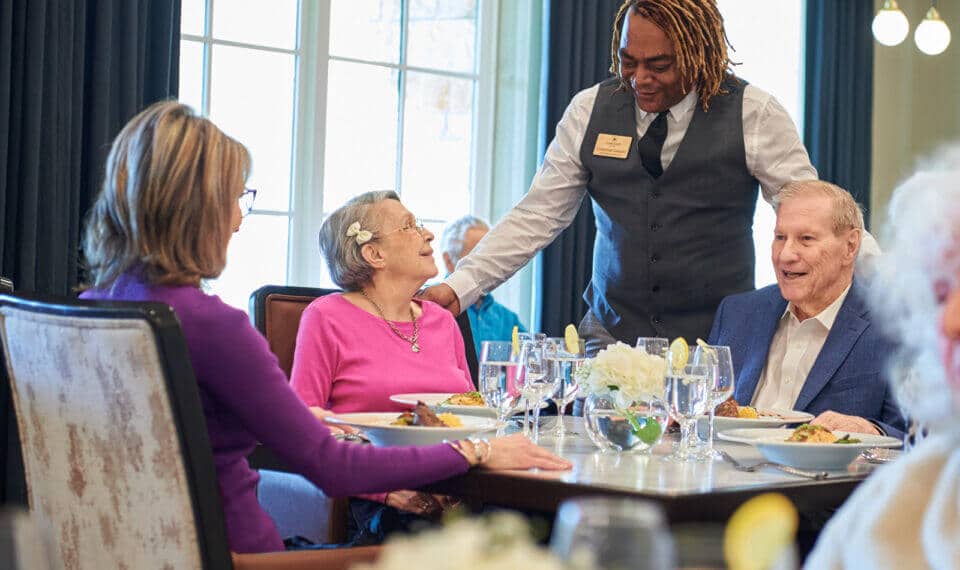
point(535, 384)
point(499, 366)
point(687, 398)
point(562, 366)
point(654, 346)
point(525, 337)
point(616, 532)
point(720, 387)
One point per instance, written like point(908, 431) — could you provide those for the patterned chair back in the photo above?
point(118, 463)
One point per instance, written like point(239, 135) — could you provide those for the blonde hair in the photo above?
point(696, 29)
point(172, 180)
point(847, 214)
point(921, 243)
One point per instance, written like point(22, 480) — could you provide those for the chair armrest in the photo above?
point(333, 559)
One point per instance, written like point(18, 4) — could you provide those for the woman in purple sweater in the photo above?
point(161, 224)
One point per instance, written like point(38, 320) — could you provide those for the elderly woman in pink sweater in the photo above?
point(356, 349)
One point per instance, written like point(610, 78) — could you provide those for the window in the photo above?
point(334, 98)
point(768, 37)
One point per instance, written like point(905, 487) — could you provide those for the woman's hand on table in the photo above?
point(518, 452)
point(321, 414)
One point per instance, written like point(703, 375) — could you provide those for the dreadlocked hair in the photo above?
point(696, 29)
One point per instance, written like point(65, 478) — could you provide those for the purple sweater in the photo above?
point(246, 399)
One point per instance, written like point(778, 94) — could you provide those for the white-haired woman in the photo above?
point(907, 515)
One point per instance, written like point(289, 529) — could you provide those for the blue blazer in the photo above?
point(849, 375)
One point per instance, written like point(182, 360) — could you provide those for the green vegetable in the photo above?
point(847, 439)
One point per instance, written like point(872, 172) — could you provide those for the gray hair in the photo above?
point(921, 256)
point(451, 242)
point(847, 214)
point(348, 269)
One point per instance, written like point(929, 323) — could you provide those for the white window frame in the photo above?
point(304, 265)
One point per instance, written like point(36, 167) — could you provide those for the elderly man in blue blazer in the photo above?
point(808, 342)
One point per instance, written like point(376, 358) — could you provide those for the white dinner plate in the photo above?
point(436, 399)
point(827, 456)
point(376, 426)
point(751, 436)
point(768, 418)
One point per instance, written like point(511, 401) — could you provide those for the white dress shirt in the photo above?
point(793, 352)
point(774, 156)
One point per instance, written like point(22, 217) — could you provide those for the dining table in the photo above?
point(688, 492)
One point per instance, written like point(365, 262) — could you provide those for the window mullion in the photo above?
point(402, 91)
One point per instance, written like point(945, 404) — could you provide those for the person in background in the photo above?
point(169, 204)
point(489, 320)
point(671, 151)
point(907, 514)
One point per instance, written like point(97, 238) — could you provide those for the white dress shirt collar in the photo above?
point(678, 111)
point(826, 316)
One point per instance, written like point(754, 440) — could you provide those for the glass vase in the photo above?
point(614, 424)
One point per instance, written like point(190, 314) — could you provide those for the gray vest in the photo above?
point(668, 250)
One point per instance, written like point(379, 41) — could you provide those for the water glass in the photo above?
point(562, 366)
point(687, 397)
point(525, 337)
point(534, 382)
point(654, 346)
point(616, 532)
point(720, 387)
point(499, 365)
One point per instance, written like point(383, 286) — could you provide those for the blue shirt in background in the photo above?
point(489, 320)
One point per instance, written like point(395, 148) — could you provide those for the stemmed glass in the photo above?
point(535, 384)
point(687, 398)
point(499, 365)
point(526, 337)
point(720, 387)
point(618, 533)
point(654, 346)
point(562, 366)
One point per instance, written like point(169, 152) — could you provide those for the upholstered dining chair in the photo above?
point(117, 458)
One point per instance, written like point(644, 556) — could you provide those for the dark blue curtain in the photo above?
point(72, 73)
point(838, 109)
point(577, 55)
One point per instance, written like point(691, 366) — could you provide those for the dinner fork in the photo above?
point(816, 475)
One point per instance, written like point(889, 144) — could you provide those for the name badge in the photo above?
point(612, 146)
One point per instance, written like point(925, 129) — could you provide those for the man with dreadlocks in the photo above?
point(671, 151)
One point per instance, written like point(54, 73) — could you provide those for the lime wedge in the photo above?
point(571, 339)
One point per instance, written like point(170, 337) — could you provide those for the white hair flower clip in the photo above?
point(362, 236)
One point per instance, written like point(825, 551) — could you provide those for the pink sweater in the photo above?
point(348, 360)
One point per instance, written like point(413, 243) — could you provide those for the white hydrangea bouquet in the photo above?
point(630, 383)
point(492, 542)
point(630, 372)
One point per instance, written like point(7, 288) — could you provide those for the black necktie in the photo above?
point(651, 145)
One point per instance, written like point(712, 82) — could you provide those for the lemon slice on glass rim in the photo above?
point(571, 339)
point(679, 353)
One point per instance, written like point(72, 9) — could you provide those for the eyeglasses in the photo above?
point(416, 225)
point(246, 201)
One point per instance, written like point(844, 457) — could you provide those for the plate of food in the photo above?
point(420, 426)
point(730, 415)
point(816, 447)
point(463, 403)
